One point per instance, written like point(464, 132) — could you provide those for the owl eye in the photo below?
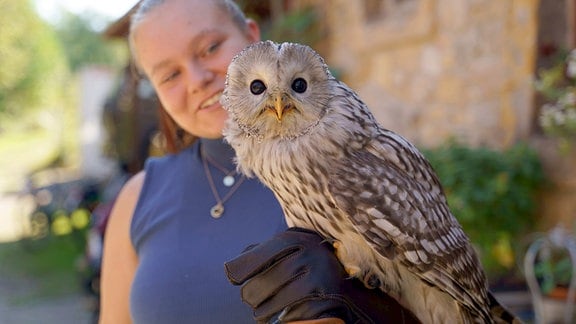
point(257, 87)
point(299, 85)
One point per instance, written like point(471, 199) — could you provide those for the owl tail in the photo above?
point(499, 313)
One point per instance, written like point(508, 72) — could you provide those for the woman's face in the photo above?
point(185, 47)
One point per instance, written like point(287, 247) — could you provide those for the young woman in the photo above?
point(175, 224)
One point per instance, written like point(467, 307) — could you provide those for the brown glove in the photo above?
point(296, 276)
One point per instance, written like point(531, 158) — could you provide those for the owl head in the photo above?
point(276, 90)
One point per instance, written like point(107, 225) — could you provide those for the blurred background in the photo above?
point(484, 88)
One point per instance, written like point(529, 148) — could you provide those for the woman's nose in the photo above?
point(198, 77)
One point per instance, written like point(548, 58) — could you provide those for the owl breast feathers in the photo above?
point(334, 169)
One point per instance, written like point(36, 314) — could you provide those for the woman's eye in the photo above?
point(299, 85)
point(257, 87)
point(211, 49)
point(170, 77)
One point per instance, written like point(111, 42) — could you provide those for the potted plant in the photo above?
point(549, 268)
point(554, 275)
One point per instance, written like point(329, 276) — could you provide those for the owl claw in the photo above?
point(371, 281)
point(329, 240)
point(352, 271)
point(340, 252)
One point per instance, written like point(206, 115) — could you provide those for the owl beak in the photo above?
point(280, 105)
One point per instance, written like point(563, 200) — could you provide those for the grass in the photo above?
point(48, 271)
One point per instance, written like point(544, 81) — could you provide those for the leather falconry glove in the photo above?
point(296, 276)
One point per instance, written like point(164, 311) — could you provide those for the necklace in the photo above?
point(229, 178)
point(217, 210)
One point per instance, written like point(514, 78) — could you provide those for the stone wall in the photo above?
point(435, 69)
point(558, 200)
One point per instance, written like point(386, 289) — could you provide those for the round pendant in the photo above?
point(217, 211)
point(228, 180)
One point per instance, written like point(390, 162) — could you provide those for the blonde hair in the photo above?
point(175, 138)
point(229, 6)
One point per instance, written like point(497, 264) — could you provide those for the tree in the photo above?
point(33, 68)
point(84, 45)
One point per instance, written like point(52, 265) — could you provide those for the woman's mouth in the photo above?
point(212, 100)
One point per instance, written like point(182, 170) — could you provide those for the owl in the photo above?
point(335, 170)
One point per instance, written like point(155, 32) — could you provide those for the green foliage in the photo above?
point(85, 46)
point(37, 89)
point(33, 69)
point(557, 85)
point(299, 26)
point(554, 272)
point(492, 194)
point(553, 258)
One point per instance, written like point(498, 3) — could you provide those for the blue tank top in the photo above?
point(182, 249)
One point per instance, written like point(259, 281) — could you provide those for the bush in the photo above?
point(492, 194)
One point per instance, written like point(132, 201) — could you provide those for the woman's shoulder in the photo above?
point(128, 197)
point(134, 185)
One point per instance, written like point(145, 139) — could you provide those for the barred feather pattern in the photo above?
point(335, 170)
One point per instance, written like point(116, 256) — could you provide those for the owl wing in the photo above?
point(394, 199)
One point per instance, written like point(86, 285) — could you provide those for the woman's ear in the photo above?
point(253, 30)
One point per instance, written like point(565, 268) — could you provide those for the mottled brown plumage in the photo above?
point(334, 169)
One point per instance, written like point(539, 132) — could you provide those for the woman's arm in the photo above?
point(119, 261)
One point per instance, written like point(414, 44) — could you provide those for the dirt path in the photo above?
point(61, 310)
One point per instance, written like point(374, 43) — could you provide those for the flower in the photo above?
point(558, 86)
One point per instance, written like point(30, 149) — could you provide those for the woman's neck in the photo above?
point(218, 150)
